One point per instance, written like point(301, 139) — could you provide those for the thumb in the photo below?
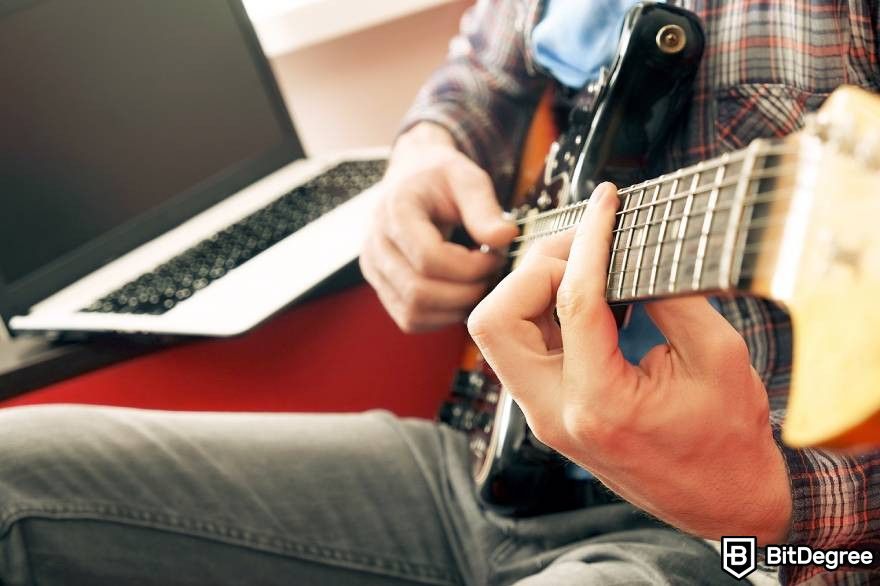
point(695, 330)
point(478, 207)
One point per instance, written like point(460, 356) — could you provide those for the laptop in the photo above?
point(151, 179)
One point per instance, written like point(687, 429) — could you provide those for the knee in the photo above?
point(34, 443)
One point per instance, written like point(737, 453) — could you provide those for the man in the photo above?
point(115, 496)
point(695, 406)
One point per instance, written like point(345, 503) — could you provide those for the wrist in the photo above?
point(424, 143)
point(425, 134)
point(773, 519)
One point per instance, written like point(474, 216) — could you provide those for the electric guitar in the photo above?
point(613, 132)
point(782, 219)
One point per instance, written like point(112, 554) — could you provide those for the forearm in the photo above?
point(484, 94)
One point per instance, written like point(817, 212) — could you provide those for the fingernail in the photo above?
point(600, 192)
point(485, 248)
point(508, 216)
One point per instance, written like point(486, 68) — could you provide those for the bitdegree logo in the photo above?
point(739, 556)
point(801, 555)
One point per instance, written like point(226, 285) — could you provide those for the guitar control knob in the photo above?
point(671, 39)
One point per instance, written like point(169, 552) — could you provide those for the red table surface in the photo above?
point(336, 353)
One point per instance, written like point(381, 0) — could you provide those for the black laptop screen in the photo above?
point(112, 110)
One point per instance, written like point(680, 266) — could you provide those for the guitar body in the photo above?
point(614, 133)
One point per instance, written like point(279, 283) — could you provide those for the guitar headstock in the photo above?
point(827, 271)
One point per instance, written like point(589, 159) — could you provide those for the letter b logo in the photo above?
point(738, 556)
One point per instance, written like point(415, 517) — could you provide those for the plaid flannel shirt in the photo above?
point(766, 63)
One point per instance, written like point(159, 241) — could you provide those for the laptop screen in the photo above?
point(118, 120)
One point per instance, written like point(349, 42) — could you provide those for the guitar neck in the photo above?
point(700, 229)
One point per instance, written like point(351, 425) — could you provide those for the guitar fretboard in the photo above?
point(692, 230)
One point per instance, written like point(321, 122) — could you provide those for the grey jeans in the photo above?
point(120, 496)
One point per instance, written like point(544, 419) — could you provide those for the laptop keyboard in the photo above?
point(180, 278)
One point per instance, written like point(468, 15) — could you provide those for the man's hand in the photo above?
point(423, 280)
point(684, 435)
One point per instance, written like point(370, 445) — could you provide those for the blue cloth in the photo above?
point(576, 38)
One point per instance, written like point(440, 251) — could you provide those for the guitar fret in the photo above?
point(768, 148)
point(693, 243)
point(725, 269)
point(541, 220)
point(655, 264)
point(628, 246)
point(757, 174)
point(707, 225)
point(615, 257)
point(643, 242)
point(682, 231)
point(615, 242)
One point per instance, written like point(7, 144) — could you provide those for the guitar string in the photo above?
point(751, 248)
point(682, 173)
point(612, 289)
point(662, 289)
point(722, 231)
point(666, 267)
point(576, 208)
point(766, 197)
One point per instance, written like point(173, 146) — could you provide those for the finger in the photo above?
point(589, 332)
point(428, 322)
point(474, 196)
point(408, 318)
point(697, 332)
point(421, 292)
point(414, 233)
point(556, 246)
point(504, 327)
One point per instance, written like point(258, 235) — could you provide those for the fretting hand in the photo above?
point(684, 435)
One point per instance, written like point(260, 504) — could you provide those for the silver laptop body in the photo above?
point(150, 177)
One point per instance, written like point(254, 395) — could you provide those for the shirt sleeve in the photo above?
point(835, 497)
point(486, 91)
point(835, 503)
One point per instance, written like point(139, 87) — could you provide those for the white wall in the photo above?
point(353, 90)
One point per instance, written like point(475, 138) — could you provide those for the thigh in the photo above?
point(613, 544)
point(643, 556)
point(106, 495)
